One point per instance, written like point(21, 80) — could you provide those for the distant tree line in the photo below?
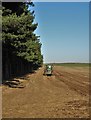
point(21, 47)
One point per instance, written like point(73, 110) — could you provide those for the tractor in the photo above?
point(48, 70)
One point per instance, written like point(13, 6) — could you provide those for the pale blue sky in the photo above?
point(64, 30)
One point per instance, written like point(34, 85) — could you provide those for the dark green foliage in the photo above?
point(18, 33)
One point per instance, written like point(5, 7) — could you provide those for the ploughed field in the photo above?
point(65, 94)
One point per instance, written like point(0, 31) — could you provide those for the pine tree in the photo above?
point(18, 33)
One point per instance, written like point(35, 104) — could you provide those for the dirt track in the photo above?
point(63, 95)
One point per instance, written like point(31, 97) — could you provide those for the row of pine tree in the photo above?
point(21, 47)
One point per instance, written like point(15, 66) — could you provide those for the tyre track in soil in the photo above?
point(76, 107)
point(78, 76)
point(74, 81)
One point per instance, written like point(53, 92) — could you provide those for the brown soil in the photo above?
point(65, 94)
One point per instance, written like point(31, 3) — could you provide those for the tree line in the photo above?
point(21, 47)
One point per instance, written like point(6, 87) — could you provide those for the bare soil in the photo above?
point(65, 94)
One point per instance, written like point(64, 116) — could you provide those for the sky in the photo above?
point(63, 28)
